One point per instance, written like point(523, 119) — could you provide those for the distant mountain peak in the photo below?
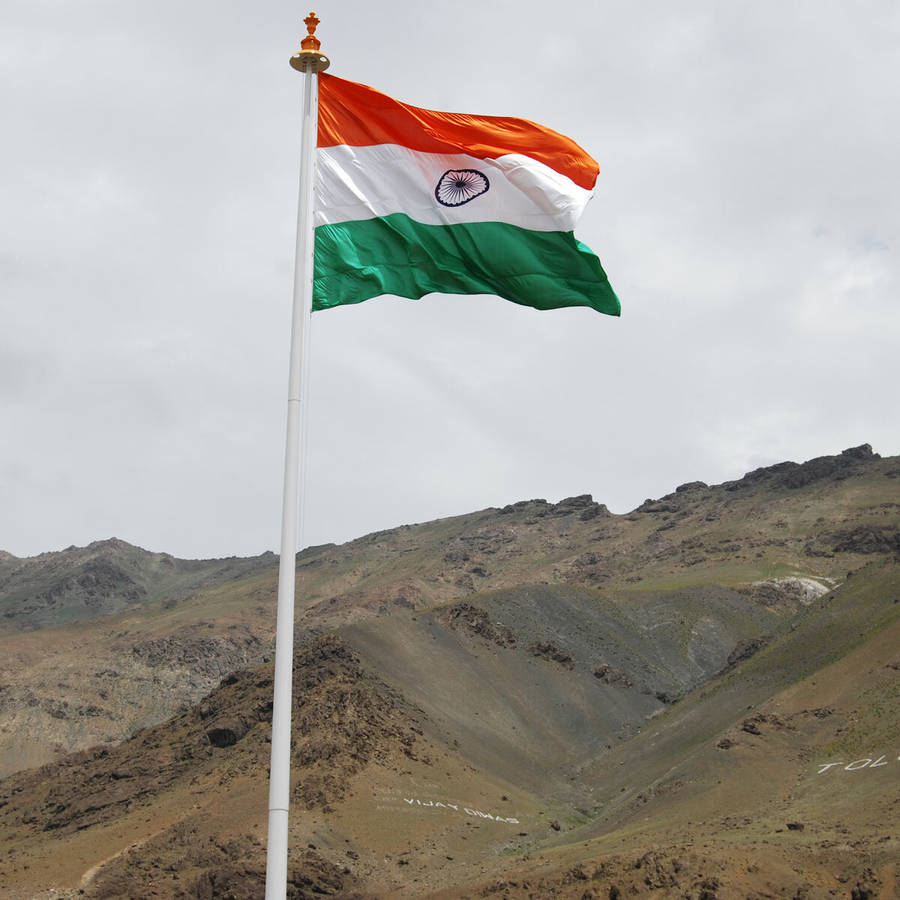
point(112, 543)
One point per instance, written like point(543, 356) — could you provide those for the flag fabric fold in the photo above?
point(411, 201)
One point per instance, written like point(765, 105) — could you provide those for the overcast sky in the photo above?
point(747, 213)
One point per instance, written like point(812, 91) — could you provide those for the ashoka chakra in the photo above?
point(458, 186)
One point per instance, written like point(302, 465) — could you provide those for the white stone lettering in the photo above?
point(864, 762)
point(447, 805)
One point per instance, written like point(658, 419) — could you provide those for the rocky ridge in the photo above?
point(345, 720)
point(531, 653)
point(773, 542)
point(105, 577)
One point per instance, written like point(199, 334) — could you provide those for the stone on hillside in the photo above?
point(787, 594)
point(863, 451)
point(582, 503)
point(594, 511)
point(551, 651)
point(209, 657)
point(657, 506)
point(465, 583)
point(456, 556)
point(744, 649)
point(466, 617)
point(793, 475)
point(884, 539)
point(691, 486)
point(521, 505)
point(226, 733)
point(586, 559)
point(611, 675)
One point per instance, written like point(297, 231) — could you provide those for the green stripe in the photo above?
point(395, 255)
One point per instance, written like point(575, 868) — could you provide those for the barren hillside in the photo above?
point(698, 698)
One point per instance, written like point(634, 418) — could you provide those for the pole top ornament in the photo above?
point(309, 59)
point(311, 42)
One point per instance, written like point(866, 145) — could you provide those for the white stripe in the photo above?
point(357, 183)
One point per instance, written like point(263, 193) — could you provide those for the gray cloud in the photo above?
point(747, 213)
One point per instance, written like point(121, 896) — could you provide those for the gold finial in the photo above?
point(309, 59)
point(311, 42)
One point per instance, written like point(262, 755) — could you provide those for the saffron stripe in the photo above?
point(357, 115)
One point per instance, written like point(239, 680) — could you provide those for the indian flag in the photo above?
point(410, 202)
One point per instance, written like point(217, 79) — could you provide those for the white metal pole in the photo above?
point(280, 771)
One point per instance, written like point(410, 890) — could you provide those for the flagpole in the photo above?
point(309, 61)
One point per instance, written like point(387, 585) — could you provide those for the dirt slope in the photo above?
point(775, 778)
point(781, 535)
point(699, 698)
point(795, 795)
point(539, 680)
point(188, 797)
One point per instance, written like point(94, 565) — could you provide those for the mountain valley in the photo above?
point(698, 698)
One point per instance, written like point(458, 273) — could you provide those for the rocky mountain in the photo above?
point(697, 698)
point(84, 583)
